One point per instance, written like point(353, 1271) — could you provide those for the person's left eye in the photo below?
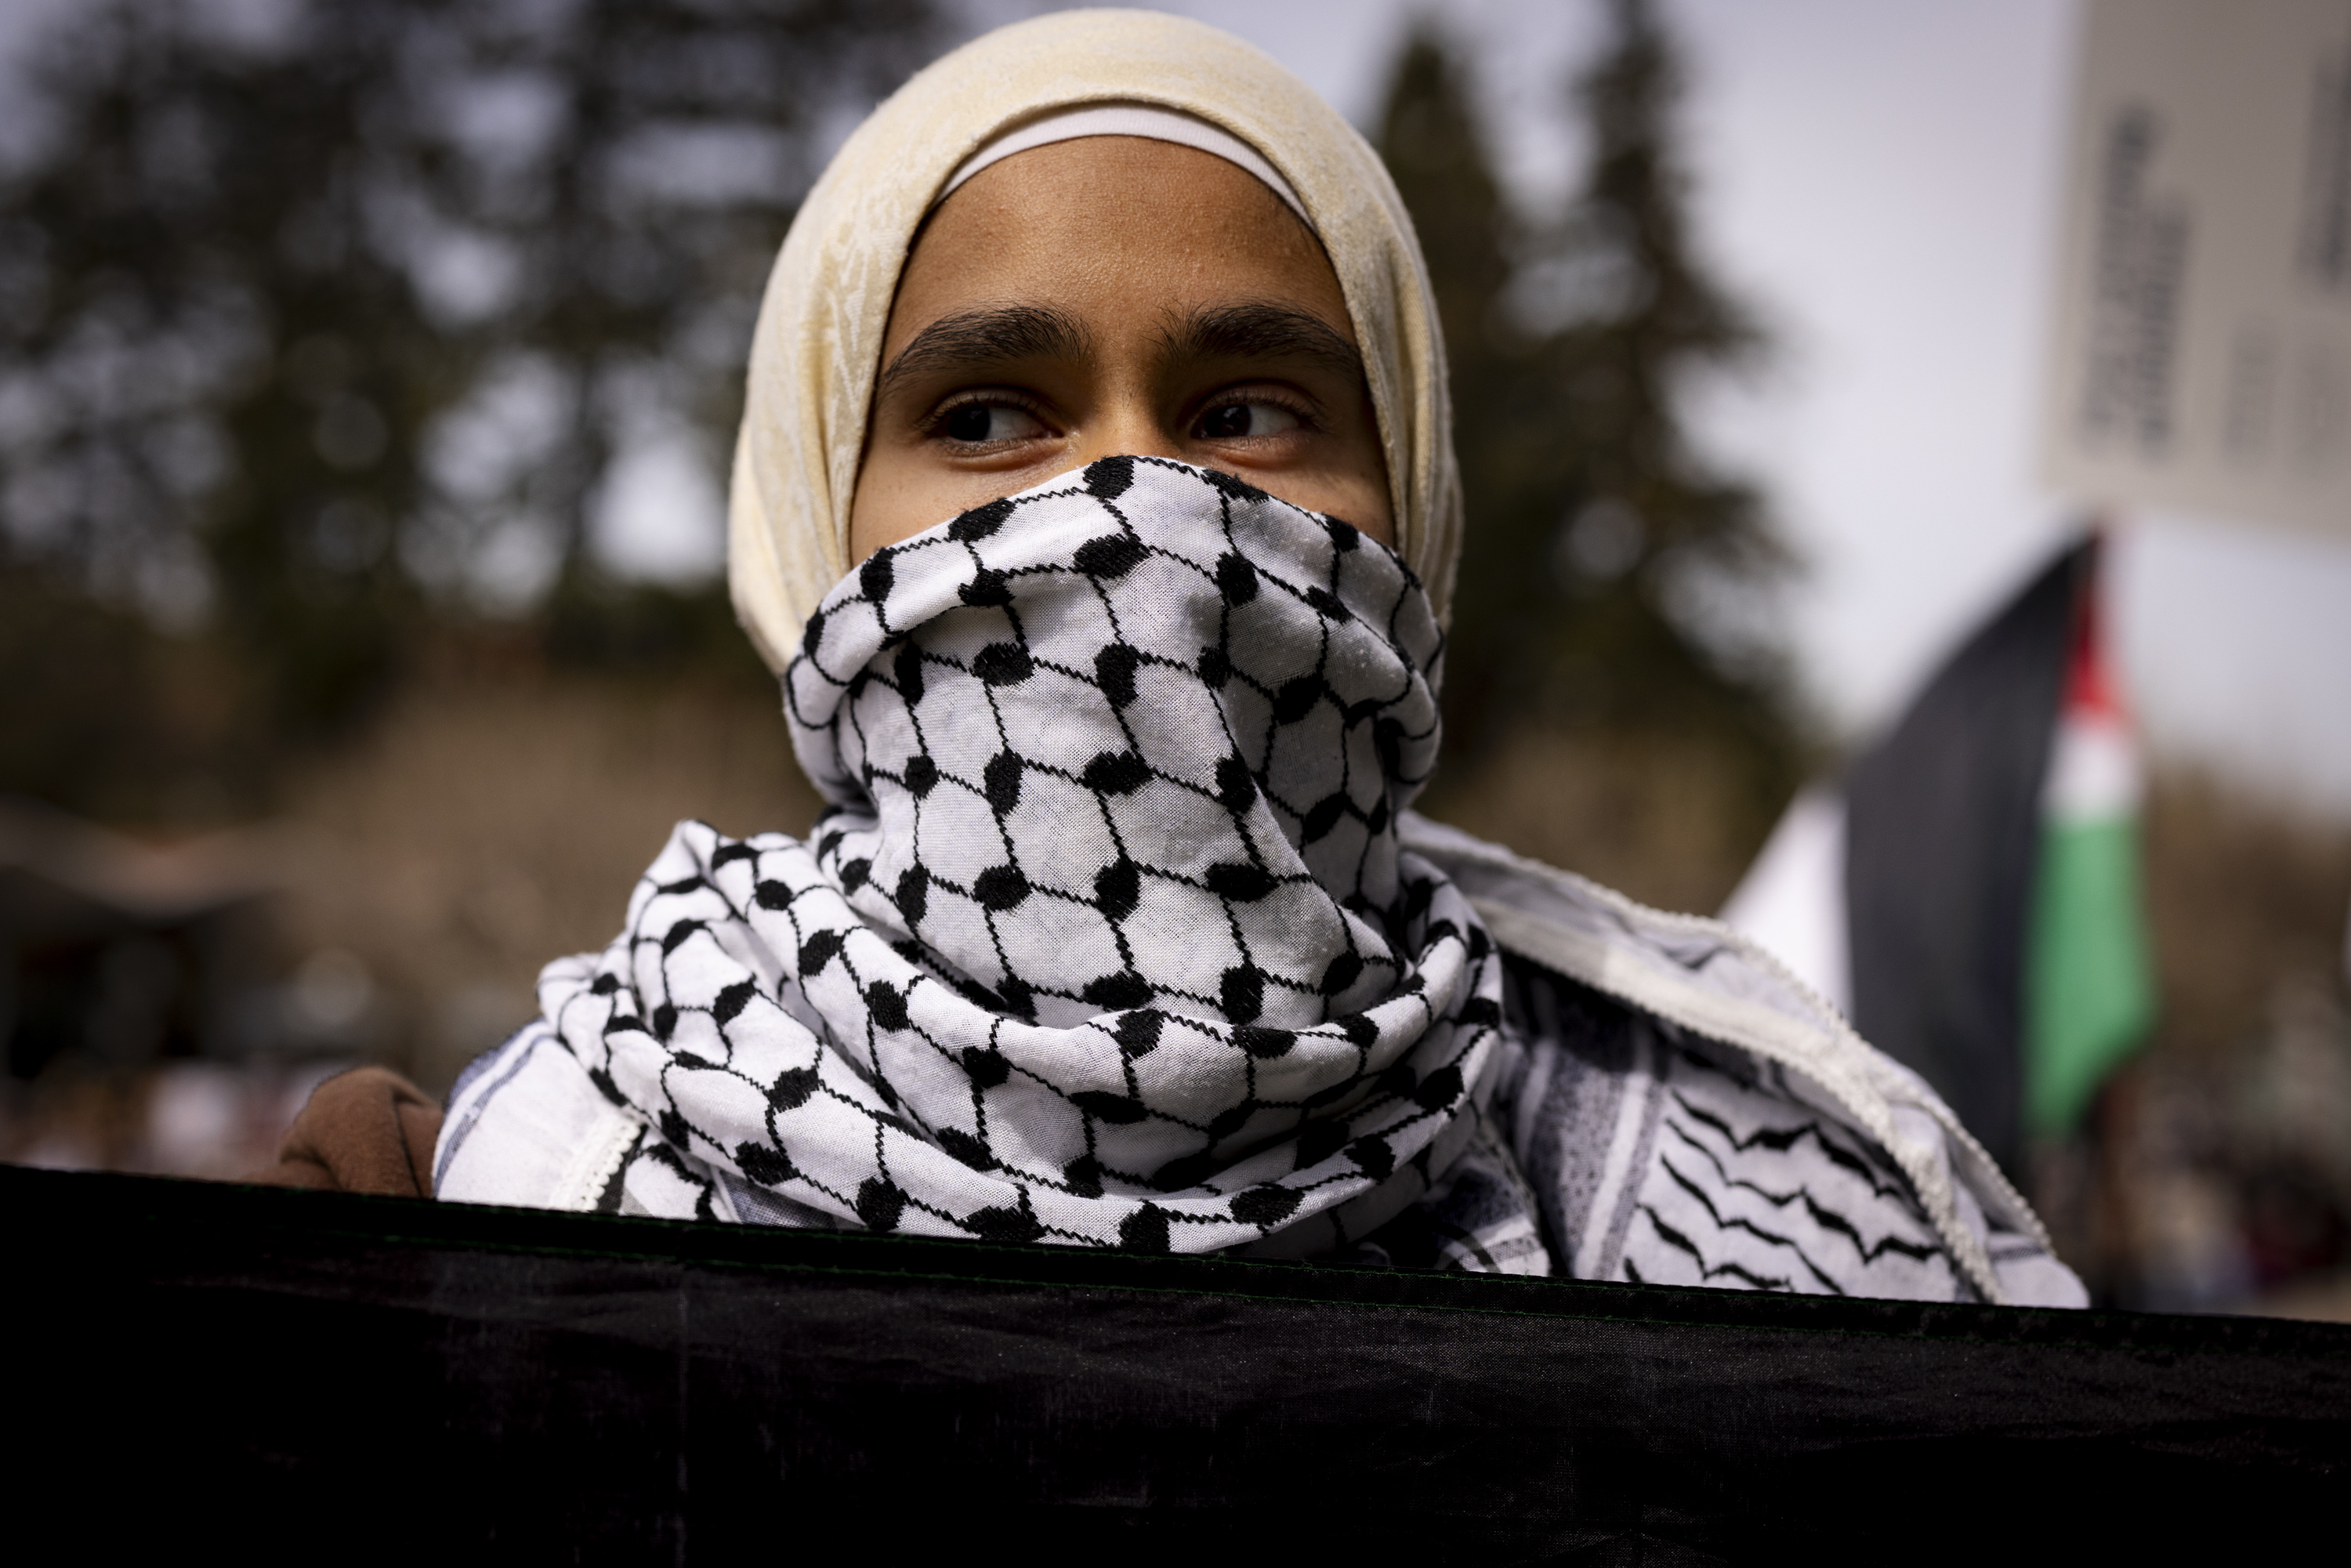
point(1237, 421)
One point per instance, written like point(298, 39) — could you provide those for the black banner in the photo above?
point(347, 1378)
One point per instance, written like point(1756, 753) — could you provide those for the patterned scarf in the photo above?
point(1106, 937)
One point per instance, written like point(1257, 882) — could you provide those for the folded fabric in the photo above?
point(1117, 932)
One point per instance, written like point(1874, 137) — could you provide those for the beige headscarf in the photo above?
point(818, 347)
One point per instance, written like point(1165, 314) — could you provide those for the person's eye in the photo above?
point(1239, 420)
point(976, 424)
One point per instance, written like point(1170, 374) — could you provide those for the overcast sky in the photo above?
point(1882, 180)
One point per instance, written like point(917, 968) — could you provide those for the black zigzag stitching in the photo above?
point(1738, 1223)
point(1780, 1140)
point(1707, 1270)
point(1710, 1063)
point(1822, 1215)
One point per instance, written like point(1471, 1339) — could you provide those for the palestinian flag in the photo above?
point(1969, 894)
point(2089, 986)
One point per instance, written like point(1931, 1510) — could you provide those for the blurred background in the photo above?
point(368, 375)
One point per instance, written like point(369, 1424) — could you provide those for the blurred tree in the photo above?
point(317, 318)
point(1613, 583)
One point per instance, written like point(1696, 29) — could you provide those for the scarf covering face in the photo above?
point(1106, 937)
point(817, 346)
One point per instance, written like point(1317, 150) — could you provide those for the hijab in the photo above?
point(816, 351)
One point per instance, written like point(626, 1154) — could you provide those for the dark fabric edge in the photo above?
point(109, 1210)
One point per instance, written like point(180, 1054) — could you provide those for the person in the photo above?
point(1095, 504)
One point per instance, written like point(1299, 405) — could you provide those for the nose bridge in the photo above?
point(1127, 417)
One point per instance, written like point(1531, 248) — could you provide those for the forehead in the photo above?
point(1113, 228)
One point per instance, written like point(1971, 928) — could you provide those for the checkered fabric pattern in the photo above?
point(1106, 937)
point(1110, 936)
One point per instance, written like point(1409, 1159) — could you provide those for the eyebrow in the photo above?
point(990, 336)
point(1254, 329)
point(1260, 330)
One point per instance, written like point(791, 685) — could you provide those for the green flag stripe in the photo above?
point(2089, 983)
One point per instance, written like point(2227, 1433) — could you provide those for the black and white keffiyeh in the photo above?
point(1106, 936)
point(1116, 933)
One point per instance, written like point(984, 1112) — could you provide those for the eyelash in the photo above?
point(1306, 413)
point(936, 425)
point(1309, 417)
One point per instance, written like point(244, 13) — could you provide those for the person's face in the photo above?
point(1114, 294)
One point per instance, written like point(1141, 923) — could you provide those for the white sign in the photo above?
point(2203, 344)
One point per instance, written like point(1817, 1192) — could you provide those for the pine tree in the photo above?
point(1432, 148)
point(1611, 577)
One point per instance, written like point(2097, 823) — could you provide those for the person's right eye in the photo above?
point(980, 424)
